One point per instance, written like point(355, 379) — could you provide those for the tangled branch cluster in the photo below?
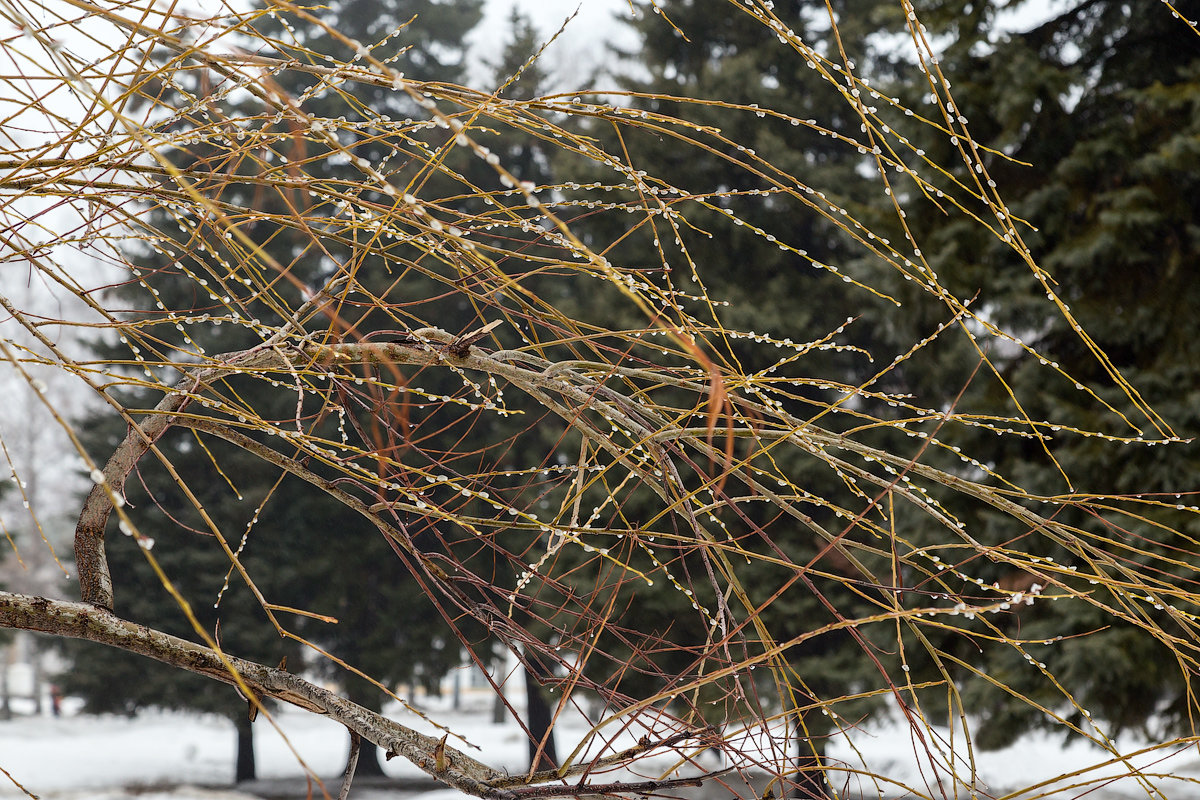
point(568, 465)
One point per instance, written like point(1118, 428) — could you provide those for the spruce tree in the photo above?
point(1098, 110)
point(771, 264)
point(319, 557)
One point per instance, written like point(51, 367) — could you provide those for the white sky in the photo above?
point(581, 48)
point(549, 14)
point(576, 53)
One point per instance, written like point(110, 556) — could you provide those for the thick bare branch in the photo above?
point(85, 621)
point(95, 583)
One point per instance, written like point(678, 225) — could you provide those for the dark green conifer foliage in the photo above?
point(783, 291)
point(1103, 103)
point(320, 557)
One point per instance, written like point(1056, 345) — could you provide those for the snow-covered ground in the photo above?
point(78, 756)
point(166, 755)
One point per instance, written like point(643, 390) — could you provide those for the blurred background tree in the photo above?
point(755, 255)
point(1096, 109)
point(319, 556)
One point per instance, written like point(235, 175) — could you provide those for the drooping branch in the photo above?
point(95, 582)
point(449, 765)
point(545, 381)
point(351, 766)
point(85, 621)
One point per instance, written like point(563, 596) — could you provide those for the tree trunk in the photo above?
point(499, 708)
point(245, 769)
point(542, 753)
point(5, 708)
point(368, 754)
point(35, 663)
point(809, 782)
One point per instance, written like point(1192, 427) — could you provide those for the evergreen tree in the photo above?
point(1099, 109)
point(765, 252)
point(320, 557)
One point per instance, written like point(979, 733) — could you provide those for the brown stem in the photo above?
point(606, 789)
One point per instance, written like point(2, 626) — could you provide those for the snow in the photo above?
point(1057, 769)
point(75, 756)
point(51, 755)
point(176, 756)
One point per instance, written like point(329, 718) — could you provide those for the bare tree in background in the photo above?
point(648, 406)
point(43, 469)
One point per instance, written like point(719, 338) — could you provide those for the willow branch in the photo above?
point(85, 621)
point(542, 382)
point(447, 764)
point(95, 582)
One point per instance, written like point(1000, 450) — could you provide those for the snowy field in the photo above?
point(190, 757)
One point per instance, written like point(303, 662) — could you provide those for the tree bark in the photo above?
point(245, 769)
point(368, 753)
point(84, 621)
point(542, 752)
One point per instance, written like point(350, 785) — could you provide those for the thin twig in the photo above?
point(639, 787)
